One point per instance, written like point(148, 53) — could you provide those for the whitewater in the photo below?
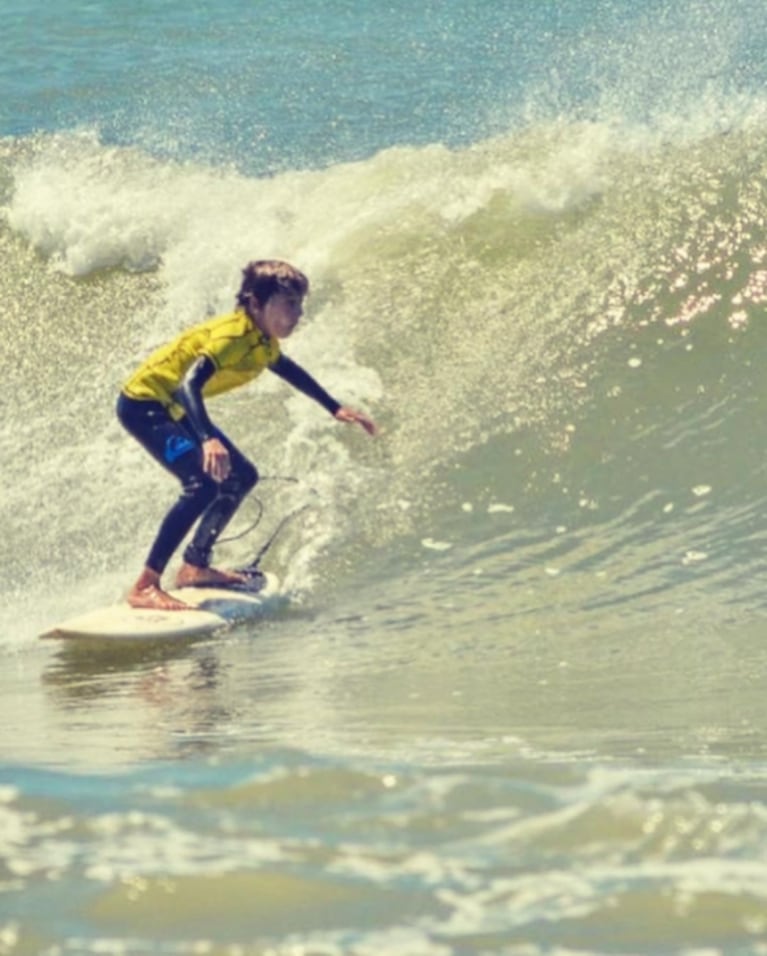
point(512, 698)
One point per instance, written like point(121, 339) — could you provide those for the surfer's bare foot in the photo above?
point(191, 576)
point(155, 598)
point(147, 593)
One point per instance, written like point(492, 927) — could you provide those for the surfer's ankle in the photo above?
point(149, 578)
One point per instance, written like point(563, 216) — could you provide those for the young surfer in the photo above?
point(163, 406)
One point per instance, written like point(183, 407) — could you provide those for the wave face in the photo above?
point(559, 329)
point(513, 699)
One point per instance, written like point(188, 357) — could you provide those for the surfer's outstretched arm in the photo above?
point(299, 378)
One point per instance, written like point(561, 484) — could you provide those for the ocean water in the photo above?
point(511, 699)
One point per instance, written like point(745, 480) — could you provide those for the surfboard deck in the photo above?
point(212, 609)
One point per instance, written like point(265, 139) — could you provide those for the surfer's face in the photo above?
point(280, 315)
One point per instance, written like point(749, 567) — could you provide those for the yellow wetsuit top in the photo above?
point(237, 347)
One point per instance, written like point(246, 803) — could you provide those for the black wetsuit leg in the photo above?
point(175, 446)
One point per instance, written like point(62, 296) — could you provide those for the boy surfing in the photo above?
point(163, 405)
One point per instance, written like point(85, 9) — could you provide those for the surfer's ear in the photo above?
point(251, 304)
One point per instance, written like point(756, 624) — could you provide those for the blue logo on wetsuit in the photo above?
point(176, 446)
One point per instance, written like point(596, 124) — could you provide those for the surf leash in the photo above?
point(252, 569)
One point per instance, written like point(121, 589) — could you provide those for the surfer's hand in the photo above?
point(345, 414)
point(215, 459)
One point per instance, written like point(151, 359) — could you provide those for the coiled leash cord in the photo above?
point(252, 569)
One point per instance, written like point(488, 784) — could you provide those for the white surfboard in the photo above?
point(212, 609)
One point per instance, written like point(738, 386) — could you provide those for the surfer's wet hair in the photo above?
point(264, 278)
